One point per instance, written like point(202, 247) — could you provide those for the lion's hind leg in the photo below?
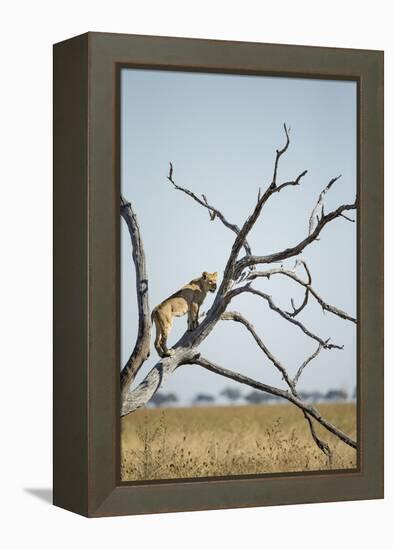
point(162, 332)
point(157, 341)
point(166, 327)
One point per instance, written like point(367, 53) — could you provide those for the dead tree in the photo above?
point(238, 277)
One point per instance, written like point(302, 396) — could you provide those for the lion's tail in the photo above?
point(153, 316)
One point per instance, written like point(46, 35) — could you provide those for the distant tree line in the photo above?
point(255, 397)
point(159, 399)
point(234, 395)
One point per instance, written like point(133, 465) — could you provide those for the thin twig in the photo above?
point(347, 218)
point(319, 207)
point(279, 152)
point(213, 211)
point(305, 363)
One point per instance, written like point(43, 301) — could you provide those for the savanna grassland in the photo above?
point(219, 441)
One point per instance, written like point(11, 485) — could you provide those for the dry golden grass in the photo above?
point(220, 441)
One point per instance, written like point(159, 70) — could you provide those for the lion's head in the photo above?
point(209, 281)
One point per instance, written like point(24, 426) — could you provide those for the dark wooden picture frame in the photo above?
point(86, 274)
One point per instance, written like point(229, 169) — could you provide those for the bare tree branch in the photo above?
point(284, 314)
point(297, 310)
point(137, 397)
point(248, 261)
point(305, 363)
point(292, 275)
point(280, 152)
point(320, 443)
point(213, 211)
point(212, 214)
point(141, 349)
point(291, 182)
point(318, 208)
point(347, 218)
point(233, 269)
point(239, 318)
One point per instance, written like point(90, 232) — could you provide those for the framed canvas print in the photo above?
point(218, 261)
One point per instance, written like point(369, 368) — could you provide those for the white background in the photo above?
point(27, 31)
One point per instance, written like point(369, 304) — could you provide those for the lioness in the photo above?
point(186, 300)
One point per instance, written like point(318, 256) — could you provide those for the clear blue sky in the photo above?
point(221, 133)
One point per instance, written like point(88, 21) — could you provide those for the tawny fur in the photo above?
point(186, 300)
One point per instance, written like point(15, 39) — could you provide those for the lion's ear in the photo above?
point(204, 275)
